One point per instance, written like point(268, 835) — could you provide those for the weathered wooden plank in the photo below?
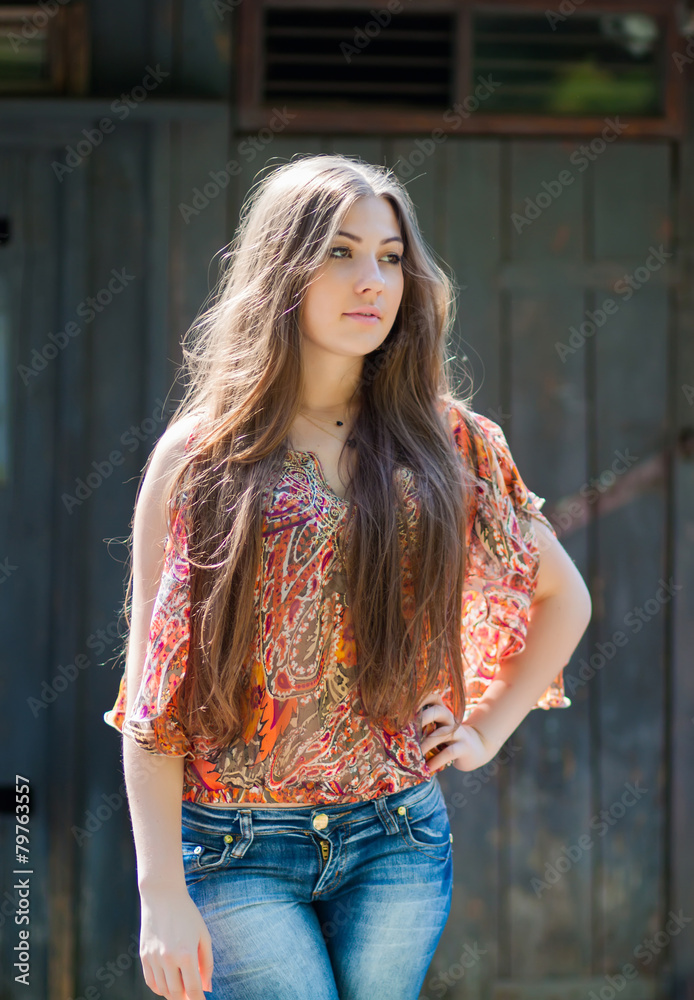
point(122, 429)
point(63, 716)
point(630, 391)
point(370, 148)
point(28, 611)
point(420, 170)
point(200, 188)
point(679, 797)
point(545, 926)
point(203, 39)
point(160, 354)
point(256, 159)
point(471, 247)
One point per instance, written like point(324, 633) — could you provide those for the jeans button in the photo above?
point(320, 821)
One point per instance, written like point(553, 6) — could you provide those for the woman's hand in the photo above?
point(175, 945)
point(463, 745)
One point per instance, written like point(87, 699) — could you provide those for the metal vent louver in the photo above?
point(341, 57)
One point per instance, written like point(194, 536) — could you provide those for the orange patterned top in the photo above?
point(307, 741)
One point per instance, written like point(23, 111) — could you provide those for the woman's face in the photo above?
point(363, 271)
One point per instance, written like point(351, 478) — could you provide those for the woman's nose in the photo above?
point(370, 277)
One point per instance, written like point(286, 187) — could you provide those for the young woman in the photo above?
point(341, 585)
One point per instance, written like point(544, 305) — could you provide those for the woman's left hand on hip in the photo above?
point(460, 745)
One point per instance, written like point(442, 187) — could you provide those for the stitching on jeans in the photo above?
point(408, 837)
point(347, 827)
point(421, 850)
point(337, 878)
point(431, 782)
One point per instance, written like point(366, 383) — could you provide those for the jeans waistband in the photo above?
point(216, 818)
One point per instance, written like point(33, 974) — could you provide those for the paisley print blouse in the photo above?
point(306, 741)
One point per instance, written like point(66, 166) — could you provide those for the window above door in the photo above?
point(462, 66)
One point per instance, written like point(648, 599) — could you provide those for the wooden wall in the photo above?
point(567, 415)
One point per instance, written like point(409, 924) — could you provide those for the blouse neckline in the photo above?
point(318, 471)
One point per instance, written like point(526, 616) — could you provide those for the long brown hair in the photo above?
point(243, 372)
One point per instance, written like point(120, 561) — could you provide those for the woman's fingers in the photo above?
point(205, 961)
point(193, 983)
point(437, 713)
point(444, 734)
point(179, 978)
point(174, 984)
point(439, 761)
point(155, 978)
point(430, 699)
point(176, 946)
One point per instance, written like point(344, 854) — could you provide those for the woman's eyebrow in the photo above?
point(358, 239)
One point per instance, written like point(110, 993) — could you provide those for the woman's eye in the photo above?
point(396, 260)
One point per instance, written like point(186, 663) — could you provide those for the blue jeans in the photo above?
point(339, 902)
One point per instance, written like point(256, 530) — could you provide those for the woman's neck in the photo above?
point(330, 388)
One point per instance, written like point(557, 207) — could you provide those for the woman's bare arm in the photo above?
point(154, 783)
point(175, 946)
point(559, 615)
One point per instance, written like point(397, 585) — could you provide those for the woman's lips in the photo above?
point(361, 318)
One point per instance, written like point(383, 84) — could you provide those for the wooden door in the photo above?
point(567, 323)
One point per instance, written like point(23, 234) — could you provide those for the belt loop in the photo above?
point(386, 817)
point(242, 845)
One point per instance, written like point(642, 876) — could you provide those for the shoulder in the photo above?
point(471, 431)
point(484, 443)
point(176, 439)
point(169, 452)
point(164, 462)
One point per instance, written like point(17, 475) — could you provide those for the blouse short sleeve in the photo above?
point(503, 559)
point(153, 722)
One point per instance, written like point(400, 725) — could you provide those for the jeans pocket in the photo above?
point(204, 852)
point(427, 827)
